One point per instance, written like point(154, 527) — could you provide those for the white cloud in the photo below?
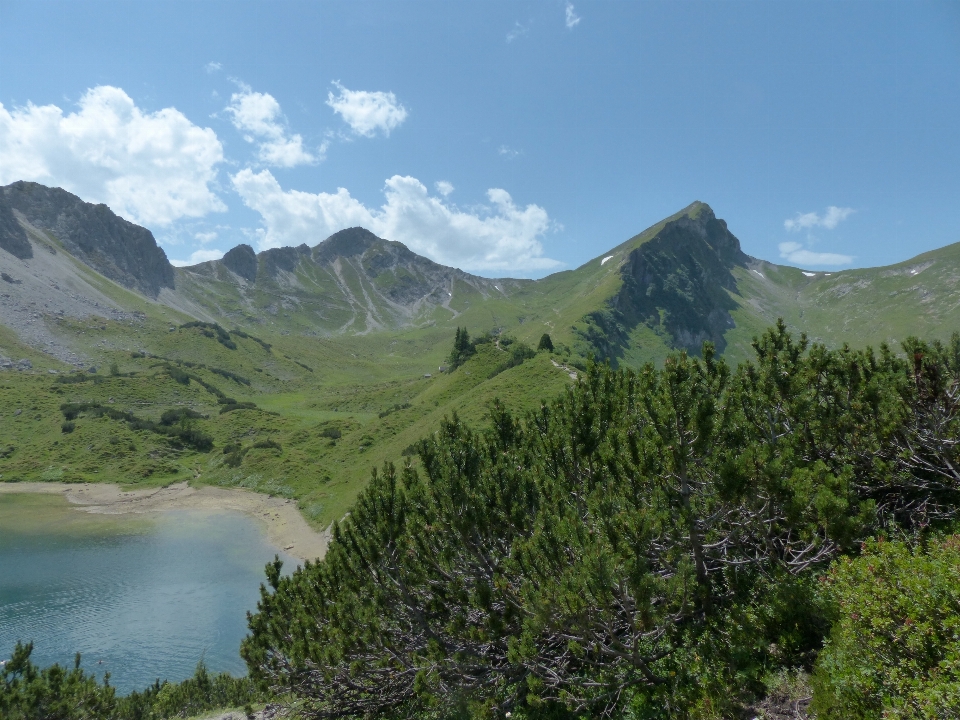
point(212, 67)
point(151, 168)
point(835, 215)
point(830, 219)
point(501, 236)
point(572, 18)
point(206, 237)
point(795, 253)
point(443, 187)
point(508, 152)
point(367, 112)
point(517, 31)
point(259, 116)
point(198, 256)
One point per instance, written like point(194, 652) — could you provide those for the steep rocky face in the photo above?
point(676, 283)
point(345, 243)
point(126, 253)
point(13, 238)
point(243, 261)
point(284, 258)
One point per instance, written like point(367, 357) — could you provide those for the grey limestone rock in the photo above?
point(13, 239)
point(122, 251)
point(243, 261)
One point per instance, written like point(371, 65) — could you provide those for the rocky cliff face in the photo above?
point(13, 238)
point(126, 253)
point(676, 283)
point(241, 260)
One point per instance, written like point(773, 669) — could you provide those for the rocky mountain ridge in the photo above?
point(353, 282)
point(116, 248)
point(681, 282)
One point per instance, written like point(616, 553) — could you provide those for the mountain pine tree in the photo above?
point(649, 539)
point(462, 348)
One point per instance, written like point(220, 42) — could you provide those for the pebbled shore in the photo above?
point(285, 527)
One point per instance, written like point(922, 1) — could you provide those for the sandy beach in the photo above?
point(285, 527)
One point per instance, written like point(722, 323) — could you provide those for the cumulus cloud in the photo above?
point(572, 18)
point(206, 237)
point(258, 116)
point(367, 112)
point(198, 256)
point(444, 188)
point(151, 168)
point(829, 220)
point(798, 255)
point(499, 236)
point(212, 67)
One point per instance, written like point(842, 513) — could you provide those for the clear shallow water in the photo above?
point(143, 597)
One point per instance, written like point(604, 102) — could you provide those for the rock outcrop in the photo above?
point(678, 283)
point(13, 238)
point(116, 248)
point(242, 260)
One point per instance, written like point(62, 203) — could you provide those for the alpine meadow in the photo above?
point(512, 458)
point(627, 524)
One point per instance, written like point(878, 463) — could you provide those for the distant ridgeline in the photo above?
point(681, 282)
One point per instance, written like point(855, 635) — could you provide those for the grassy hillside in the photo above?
point(326, 377)
point(919, 297)
point(302, 422)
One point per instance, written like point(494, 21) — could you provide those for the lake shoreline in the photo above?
point(285, 527)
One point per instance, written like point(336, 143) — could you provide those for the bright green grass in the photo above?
point(379, 408)
point(371, 388)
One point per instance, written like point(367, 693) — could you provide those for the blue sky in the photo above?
point(507, 138)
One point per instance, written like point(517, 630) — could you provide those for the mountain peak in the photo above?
point(116, 248)
point(346, 243)
point(242, 260)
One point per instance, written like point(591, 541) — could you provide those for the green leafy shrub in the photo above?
point(230, 375)
point(545, 343)
point(240, 333)
point(73, 378)
point(235, 458)
point(177, 374)
point(237, 406)
point(68, 426)
point(394, 408)
point(894, 651)
point(179, 434)
point(176, 415)
point(519, 352)
point(268, 444)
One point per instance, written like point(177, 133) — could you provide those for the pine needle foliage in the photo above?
point(644, 544)
point(462, 348)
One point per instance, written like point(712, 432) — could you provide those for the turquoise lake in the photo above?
point(139, 596)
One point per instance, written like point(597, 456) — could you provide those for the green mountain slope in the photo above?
point(306, 367)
